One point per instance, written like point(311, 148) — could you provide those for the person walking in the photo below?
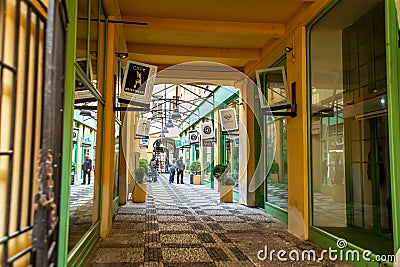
point(172, 168)
point(87, 168)
point(153, 167)
point(180, 166)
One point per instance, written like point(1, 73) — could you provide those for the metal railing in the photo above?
point(30, 94)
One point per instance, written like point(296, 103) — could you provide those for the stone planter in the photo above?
point(196, 179)
point(225, 193)
point(139, 193)
point(274, 178)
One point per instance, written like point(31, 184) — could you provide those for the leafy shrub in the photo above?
point(195, 166)
point(143, 164)
point(219, 169)
point(274, 168)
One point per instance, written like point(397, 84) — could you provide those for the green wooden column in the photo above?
point(72, 8)
point(257, 152)
point(393, 93)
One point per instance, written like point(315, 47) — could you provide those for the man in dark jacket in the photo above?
point(180, 167)
point(87, 168)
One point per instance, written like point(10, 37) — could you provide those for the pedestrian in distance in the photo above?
point(172, 168)
point(180, 167)
point(153, 168)
point(87, 168)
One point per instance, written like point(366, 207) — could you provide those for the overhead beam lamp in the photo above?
point(165, 130)
point(169, 124)
point(85, 113)
point(176, 115)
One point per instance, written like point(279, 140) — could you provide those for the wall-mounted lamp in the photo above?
point(93, 53)
point(121, 55)
point(288, 48)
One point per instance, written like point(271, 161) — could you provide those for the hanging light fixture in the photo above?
point(162, 135)
point(165, 130)
point(85, 113)
point(169, 124)
point(176, 115)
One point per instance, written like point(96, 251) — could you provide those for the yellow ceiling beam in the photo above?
point(273, 30)
point(175, 50)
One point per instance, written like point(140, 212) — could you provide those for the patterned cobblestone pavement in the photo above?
point(185, 225)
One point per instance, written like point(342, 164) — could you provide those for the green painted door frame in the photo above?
point(393, 93)
point(326, 239)
point(212, 152)
point(72, 9)
point(222, 147)
point(257, 151)
point(85, 247)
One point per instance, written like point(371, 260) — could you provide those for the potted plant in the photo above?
point(139, 188)
point(226, 182)
point(274, 172)
point(144, 165)
point(195, 169)
point(219, 169)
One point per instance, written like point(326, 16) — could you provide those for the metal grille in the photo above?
point(27, 86)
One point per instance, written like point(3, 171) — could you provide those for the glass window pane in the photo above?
point(353, 201)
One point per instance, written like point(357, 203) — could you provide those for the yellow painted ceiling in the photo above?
point(231, 32)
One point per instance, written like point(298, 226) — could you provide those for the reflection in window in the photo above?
point(272, 82)
point(83, 173)
point(277, 179)
point(83, 209)
point(350, 154)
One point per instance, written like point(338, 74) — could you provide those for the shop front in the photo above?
point(351, 176)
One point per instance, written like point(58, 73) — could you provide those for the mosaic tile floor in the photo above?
point(185, 225)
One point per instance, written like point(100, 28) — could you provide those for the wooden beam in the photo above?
point(175, 50)
point(273, 30)
point(161, 67)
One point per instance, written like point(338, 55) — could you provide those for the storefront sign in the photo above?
point(143, 127)
point(194, 137)
point(207, 130)
point(178, 143)
point(228, 119)
point(75, 135)
point(87, 139)
point(81, 91)
point(316, 127)
point(144, 141)
point(185, 141)
point(137, 86)
point(207, 143)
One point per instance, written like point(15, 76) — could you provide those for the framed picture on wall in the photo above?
point(272, 82)
point(228, 119)
point(138, 82)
